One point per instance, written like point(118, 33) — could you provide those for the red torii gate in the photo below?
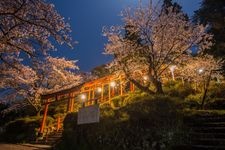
point(104, 85)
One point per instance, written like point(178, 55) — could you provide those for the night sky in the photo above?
point(87, 17)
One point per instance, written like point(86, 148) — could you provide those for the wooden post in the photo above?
point(121, 87)
point(68, 104)
point(102, 93)
point(89, 97)
point(72, 106)
point(44, 119)
point(58, 123)
point(131, 87)
point(71, 103)
point(113, 91)
point(83, 104)
point(93, 96)
point(109, 92)
point(93, 93)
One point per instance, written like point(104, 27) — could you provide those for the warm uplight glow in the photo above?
point(172, 68)
point(83, 96)
point(145, 78)
point(113, 84)
point(99, 89)
point(200, 70)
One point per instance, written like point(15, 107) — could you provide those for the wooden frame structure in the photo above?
point(100, 90)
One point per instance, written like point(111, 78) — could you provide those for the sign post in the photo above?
point(89, 114)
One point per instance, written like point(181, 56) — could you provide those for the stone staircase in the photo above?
point(52, 139)
point(207, 132)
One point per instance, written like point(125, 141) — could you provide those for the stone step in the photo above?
point(48, 141)
point(204, 147)
point(208, 129)
point(41, 142)
point(207, 132)
point(207, 124)
point(55, 136)
point(207, 135)
point(51, 139)
point(204, 119)
point(208, 142)
point(198, 147)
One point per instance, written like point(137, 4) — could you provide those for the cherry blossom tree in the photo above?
point(27, 26)
point(199, 68)
point(28, 29)
point(150, 41)
point(30, 82)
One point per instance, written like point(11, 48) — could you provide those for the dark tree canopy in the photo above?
point(100, 71)
point(213, 13)
point(176, 7)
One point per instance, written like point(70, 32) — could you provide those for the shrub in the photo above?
point(216, 90)
point(23, 129)
point(194, 97)
point(177, 89)
point(216, 103)
point(117, 101)
point(193, 101)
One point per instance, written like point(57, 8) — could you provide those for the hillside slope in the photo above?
point(134, 122)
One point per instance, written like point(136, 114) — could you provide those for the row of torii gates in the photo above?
point(100, 90)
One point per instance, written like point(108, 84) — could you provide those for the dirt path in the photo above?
point(23, 147)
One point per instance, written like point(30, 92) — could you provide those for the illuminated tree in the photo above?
point(199, 68)
point(28, 29)
point(50, 75)
point(161, 38)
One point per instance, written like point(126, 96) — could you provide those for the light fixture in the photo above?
point(83, 97)
point(145, 78)
point(113, 84)
point(172, 68)
point(200, 70)
point(99, 89)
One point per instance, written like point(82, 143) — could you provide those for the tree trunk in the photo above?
point(141, 87)
point(158, 86)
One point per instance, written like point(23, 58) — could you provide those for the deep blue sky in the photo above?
point(87, 17)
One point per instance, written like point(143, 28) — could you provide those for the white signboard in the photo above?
point(89, 114)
